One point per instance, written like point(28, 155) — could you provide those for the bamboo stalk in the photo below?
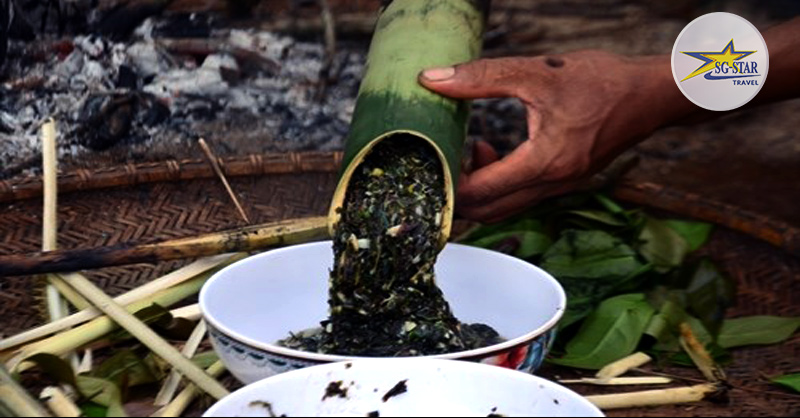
point(185, 398)
point(653, 397)
point(87, 362)
point(16, 400)
point(177, 277)
point(252, 238)
point(167, 392)
point(619, 381)
point(70, 295)
point(212, 159)
point(619, 368)
point(192, 313)
point(78, 337)
point(56, 307)
point(59, 403)
point(145, 335)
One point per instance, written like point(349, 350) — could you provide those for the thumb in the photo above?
point(489, 78)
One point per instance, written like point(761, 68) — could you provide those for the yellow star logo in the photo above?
point(710, 59)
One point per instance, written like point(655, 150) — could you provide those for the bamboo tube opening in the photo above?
point(448, 210)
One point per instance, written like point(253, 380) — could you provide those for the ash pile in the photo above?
point(133, 87)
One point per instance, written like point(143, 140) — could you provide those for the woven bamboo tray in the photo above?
point(181, 198)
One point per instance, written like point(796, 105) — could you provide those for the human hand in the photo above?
point(584, 109)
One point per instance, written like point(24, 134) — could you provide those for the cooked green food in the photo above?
point(384, 300)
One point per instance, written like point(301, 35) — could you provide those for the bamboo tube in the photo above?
point(619, 381)
point(653, 397)
point(252, 238)
point(185, 398)
point(200, 267)
point(411, 36)
point(619, 368)
point(78, 337)
point(59, 403)
point(170, 386)
point(146, 336)
point(14, 399)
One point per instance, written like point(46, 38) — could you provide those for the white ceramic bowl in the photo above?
point(434, 388)
point(252, 304)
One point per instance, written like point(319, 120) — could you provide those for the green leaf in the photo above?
point(205, 360)
point(611, 333)
point(791, 381)
point(93, 410)
point(592, 255)
point(55, 367)
point(600, 216)
point(126, 370)
point(696, 234)
point(517, 224)
point(662, 246)
point(709, 295)
point(522, 244)
point(162, 322)
point(609, 204)
point(756, 330)
point(102, 392)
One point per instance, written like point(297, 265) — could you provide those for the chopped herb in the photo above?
point(335, 390)
point(398, 389)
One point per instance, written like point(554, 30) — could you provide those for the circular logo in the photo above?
point(720, 61)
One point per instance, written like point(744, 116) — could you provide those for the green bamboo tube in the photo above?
point(410, 36)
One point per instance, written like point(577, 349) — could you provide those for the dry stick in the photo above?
point(258, 237)
point(81, 336)
point(619, 381)
point(212, 159)
point(700, 356)
point(621, 367)
point(170, 386)
point(16, 400)
point(172, 279)
point(147, 336)
point(59, 403)
point(654, 397)
point(185, 398)
point(329, 25)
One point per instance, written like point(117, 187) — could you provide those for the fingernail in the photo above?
point(439, 74)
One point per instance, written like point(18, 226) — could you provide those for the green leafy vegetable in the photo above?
point(709, 295)
point(757, 330)
point(126, 370)
point(522, 244)
point(662, 246)
point(791, 381)
point(696, 234)
point(590, 255)
point(102, 392)
point(611, 333)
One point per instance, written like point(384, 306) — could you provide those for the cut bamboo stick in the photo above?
point(78, 337)
point(145, 335)
point(252, 238)
point(56, 306)
point(619, 381)
point(167, 392)
point(15, 400)
point(59, 403)
point(653, 397)
point(212, 159)
point(192, 313)
point(179, 276)
point(623, 366)
point(185, 398)
point(700, 356)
